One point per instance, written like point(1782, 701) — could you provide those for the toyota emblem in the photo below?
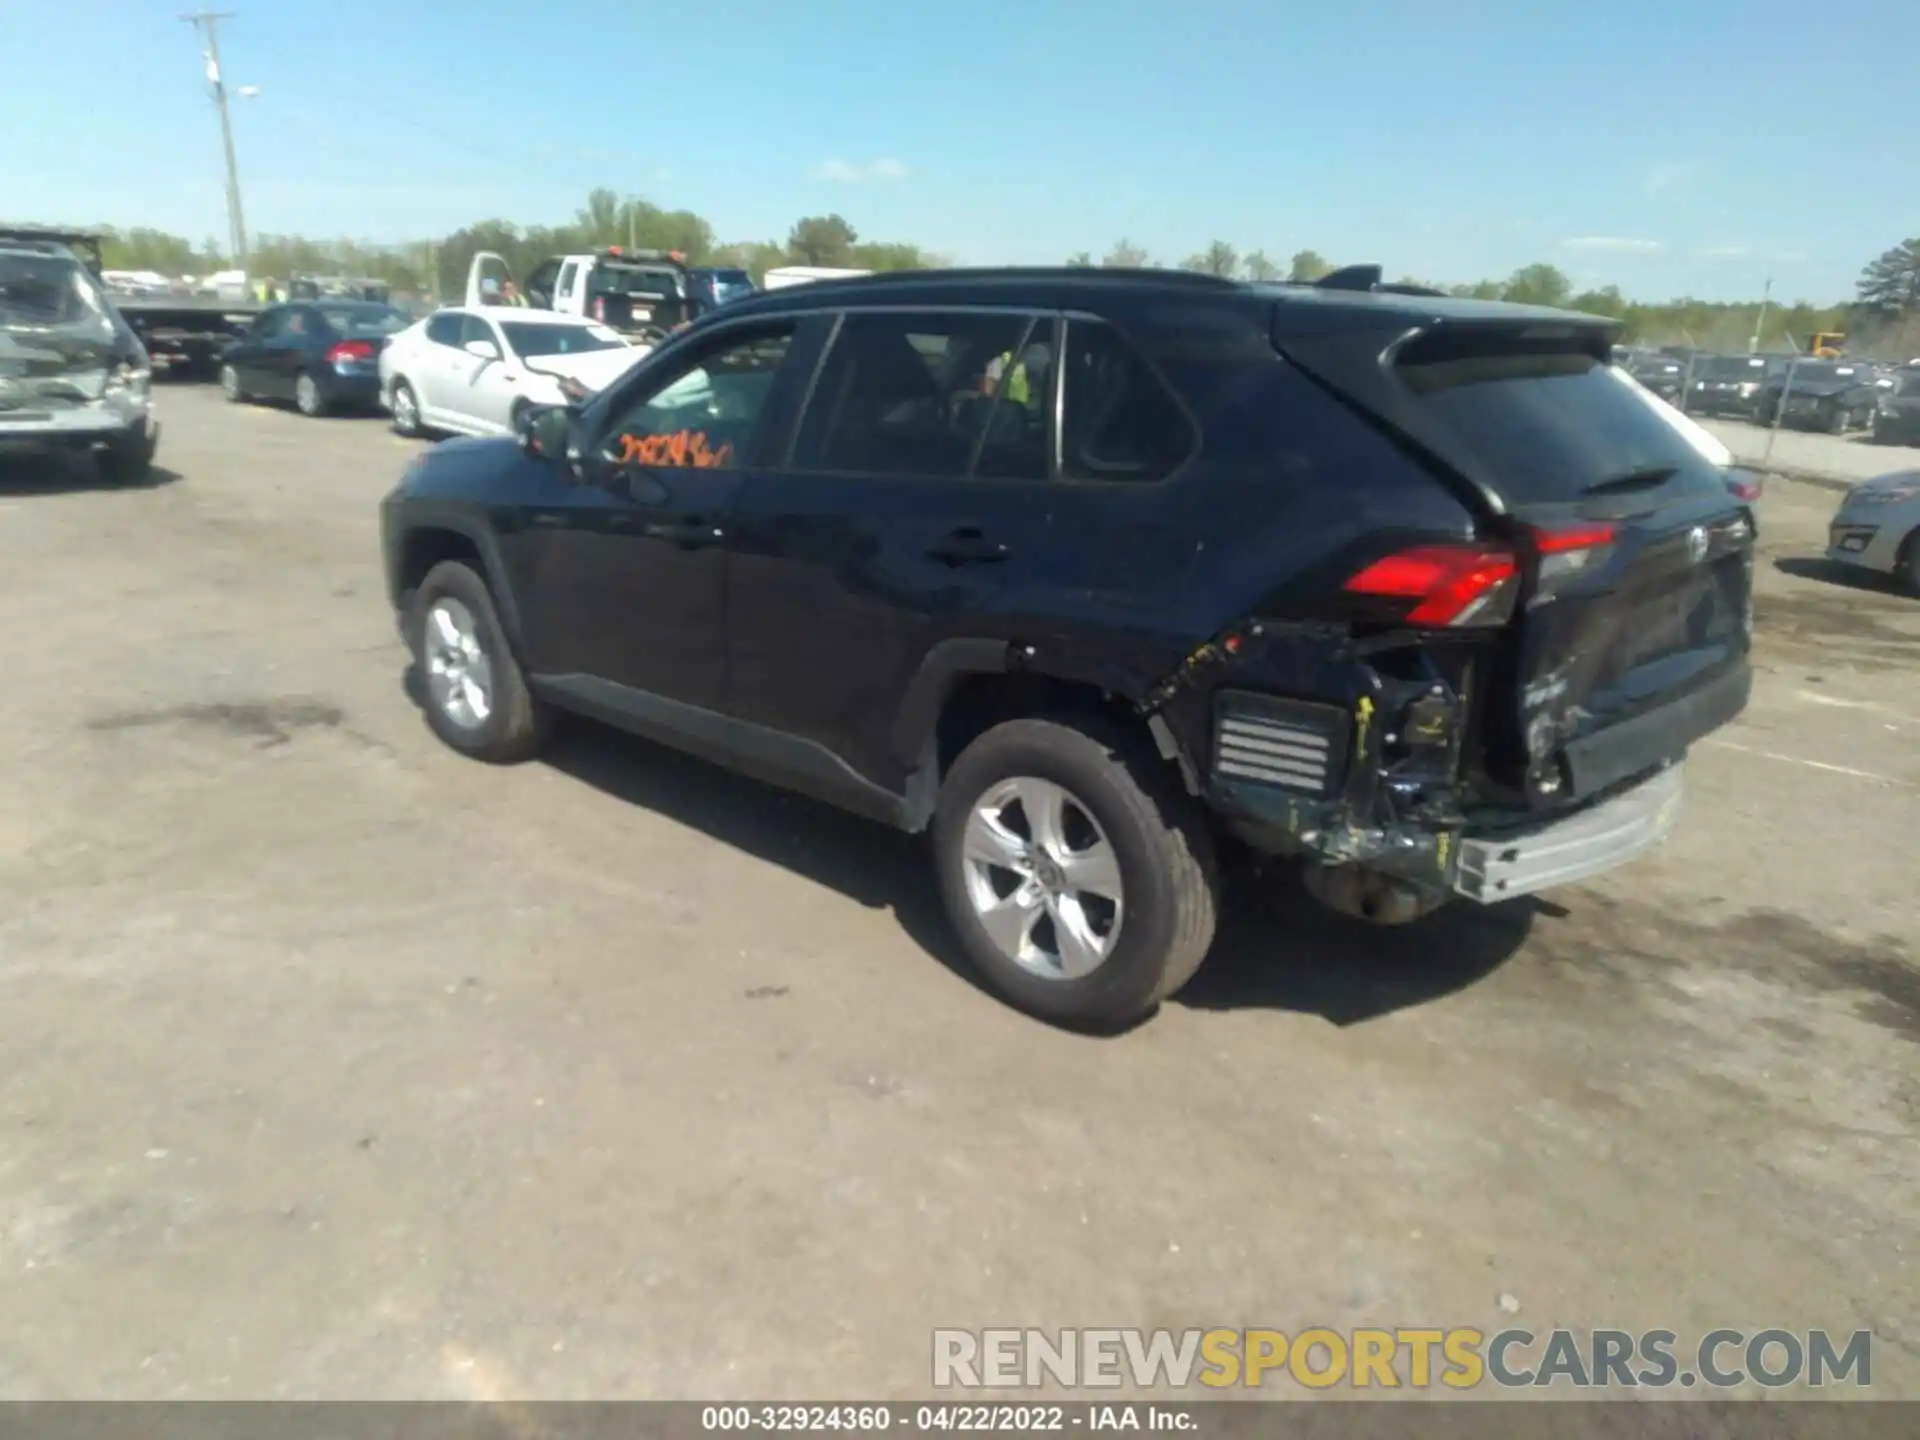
point(1697, 544)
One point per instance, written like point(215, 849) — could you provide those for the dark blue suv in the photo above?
point(1092, 572)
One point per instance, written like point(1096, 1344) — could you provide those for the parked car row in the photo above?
point(1803, 392)
point(477, 367)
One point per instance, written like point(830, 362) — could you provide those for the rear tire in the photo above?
point(1137, 831)
point(453, 616)
point(307, 397)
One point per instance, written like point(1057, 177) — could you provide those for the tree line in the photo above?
point(1882, 319)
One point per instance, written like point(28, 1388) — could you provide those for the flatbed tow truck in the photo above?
point(183, 334)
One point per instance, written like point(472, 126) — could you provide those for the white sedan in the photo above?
point(470, 371)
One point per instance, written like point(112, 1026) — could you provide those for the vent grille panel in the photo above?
point(1295, 746)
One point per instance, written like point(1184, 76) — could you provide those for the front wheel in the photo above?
point(476, 698)
point(230, 385)
point(128, 459)
point(1080, 879)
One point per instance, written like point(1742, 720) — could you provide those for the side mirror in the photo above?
point(544, 431)
point(483, 349)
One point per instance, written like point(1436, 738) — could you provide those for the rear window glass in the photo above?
point(364, 320)
point(1547, 424)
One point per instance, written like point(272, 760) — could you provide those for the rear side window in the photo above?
point(1121, 421)
point(444, 329)
point(942, 394)
point(1546, 424)
point(476, 328)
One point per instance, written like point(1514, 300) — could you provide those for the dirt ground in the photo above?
point(1846, 458)
point(334, 1065)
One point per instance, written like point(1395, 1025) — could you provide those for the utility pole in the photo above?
point(1760, 320)
point(207, 22)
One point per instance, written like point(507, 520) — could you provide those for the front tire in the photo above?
point(128, 459)
point(1080, 879)
point(476, 697)
point(405, 406)
point(230, 385)
point(307, 397)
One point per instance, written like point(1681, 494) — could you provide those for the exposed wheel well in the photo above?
point(979, 702)
point(1904, 556)
point(425, 549)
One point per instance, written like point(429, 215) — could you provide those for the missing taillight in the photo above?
point(1444, 585)
point(1571, 551)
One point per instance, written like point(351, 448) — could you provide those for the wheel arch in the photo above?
point(966, 686)
point(440, 538)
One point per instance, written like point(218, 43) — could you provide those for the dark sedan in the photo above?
point(1831, 395)
point(1896, 420)
point(322, 355)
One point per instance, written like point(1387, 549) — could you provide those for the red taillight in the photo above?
point(1444, 584)
point(350, 350)
point(1745, 488)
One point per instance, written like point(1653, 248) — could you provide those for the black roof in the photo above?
point(1310, 308)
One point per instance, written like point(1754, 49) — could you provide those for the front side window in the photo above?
point(1121, 421)
point(942, 394)
point(704, 414)
point(564, 286)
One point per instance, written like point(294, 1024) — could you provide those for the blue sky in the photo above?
point(1691, 147)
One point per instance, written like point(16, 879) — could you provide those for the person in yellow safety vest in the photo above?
point(1019, 388)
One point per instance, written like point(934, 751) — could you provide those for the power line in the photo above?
point(207, 22)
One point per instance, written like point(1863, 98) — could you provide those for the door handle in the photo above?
point(692, 534)
point(967, 546)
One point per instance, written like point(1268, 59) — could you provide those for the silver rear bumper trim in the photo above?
point(1585, 844)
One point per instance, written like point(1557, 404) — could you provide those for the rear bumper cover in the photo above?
point(1494, 868)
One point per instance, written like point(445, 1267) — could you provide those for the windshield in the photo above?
point(528, 340)
point(48, 290)
point(1731, 367)
point(1547, 424)
point(364, 319)
point(632, 280)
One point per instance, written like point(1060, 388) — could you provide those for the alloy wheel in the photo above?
point(459, 674)
point(1043, 878)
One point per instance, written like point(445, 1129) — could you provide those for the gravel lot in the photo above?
point(334, 1065)
point(1841, 458)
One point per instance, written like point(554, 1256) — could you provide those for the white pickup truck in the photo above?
point(643, 294)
